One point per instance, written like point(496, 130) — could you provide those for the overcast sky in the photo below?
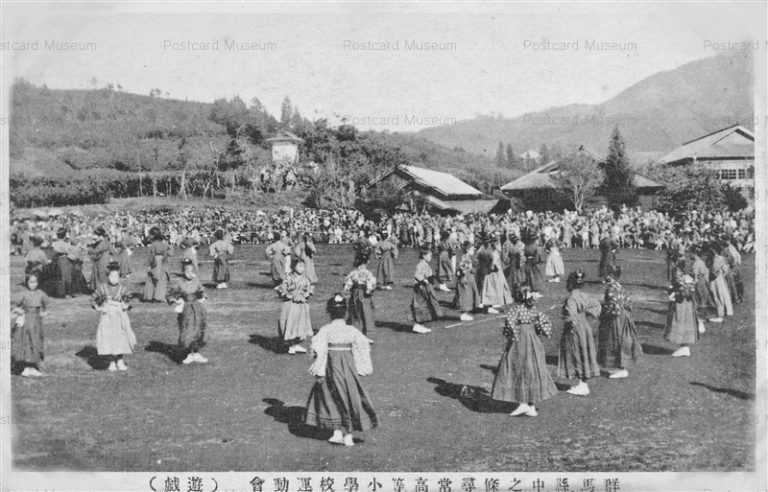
point(362, 62)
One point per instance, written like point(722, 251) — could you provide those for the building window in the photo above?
point(728, 174)
point(742, 173)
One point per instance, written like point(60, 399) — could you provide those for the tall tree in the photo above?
point(501, 159)
point(511, 157)
point(580, 177)
point(618, 185)
point(286, 111)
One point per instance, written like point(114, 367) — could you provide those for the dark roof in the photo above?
point(734, 141)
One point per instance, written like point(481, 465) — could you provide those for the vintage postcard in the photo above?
point(383, 246)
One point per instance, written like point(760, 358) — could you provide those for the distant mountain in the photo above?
point(654, 115)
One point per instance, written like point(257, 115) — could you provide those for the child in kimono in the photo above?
point(522, 375)
point(682, 328)
point(424, 305)
point(617, 341)
point(114, 336)
point(221, 250)
point(338, 402)
point(124, 254)
point(578, 353)
point(360, 284)
point(36, 259)
point(305, 250)
point(27, 328)
point(718, 285)
point(495, 293)
point(295, 325)
point(156, 285)
point(100, 253)
point(445, 271)
point(532, 254)
point(386, 252)
point(553, 268)
point(279, 254)
point(467, 296)
point(188, 295)
point(189, 252)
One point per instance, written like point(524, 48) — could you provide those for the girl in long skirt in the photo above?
point(386, 252)
point(338, 402)
point(295, 325)
point(733, 275)
point(156, 285)
point(496, 292)
point(124, 254)
point(516, 259)
point(114, 336)
point(101, 255)
point(522, 375)
point(718, 286)
point(701, 295)
point(62, 250)
point(467, 296)
point(360, 284)
point(532, 255)
point(445, 263)
point(681, 328)
point(553, 268)
point(221, 251)
point(305, 250)
point(188, 295)
point(279, 254)
point(189, 251)
point(617, 341)
point(608, 247)
point(424, 305)
point(27, 328)
point(578, 353)
point(36, 260)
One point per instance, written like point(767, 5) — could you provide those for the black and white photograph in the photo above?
point(363, 246)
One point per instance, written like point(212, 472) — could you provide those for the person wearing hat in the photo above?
point(360, 285)
point(617, 340)
point(100, 254)
point(36, 260)
point(61, 249)
point(578, 353)
point(338, 402)
point(522, 375)
point(386, 252)
point(221, 250)
point(682, 327)
point(295, 323)
point(156, 285)
point(114, 336)
point(188, 294)
point(424, 304)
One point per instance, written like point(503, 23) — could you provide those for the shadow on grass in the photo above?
point(92, 358)
point(395, 326)
point(294, 417)
point(261, 285)
point(656, 350)
point(273, 344)
point(743, 395)
point(473, 398)
point(650, 324)
point(173, 351)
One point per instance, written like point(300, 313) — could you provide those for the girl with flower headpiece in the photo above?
point(338, 402)
point(578, 353)
point(617, 341)
point(360, 284)
point(522, 375)
point(467, 297)
point(681, 327)
point(424, 304)
point(114, 336)
point(295, 325)
point(189, 295)
point(386, 252)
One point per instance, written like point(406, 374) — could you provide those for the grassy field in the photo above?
point(236, 413)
